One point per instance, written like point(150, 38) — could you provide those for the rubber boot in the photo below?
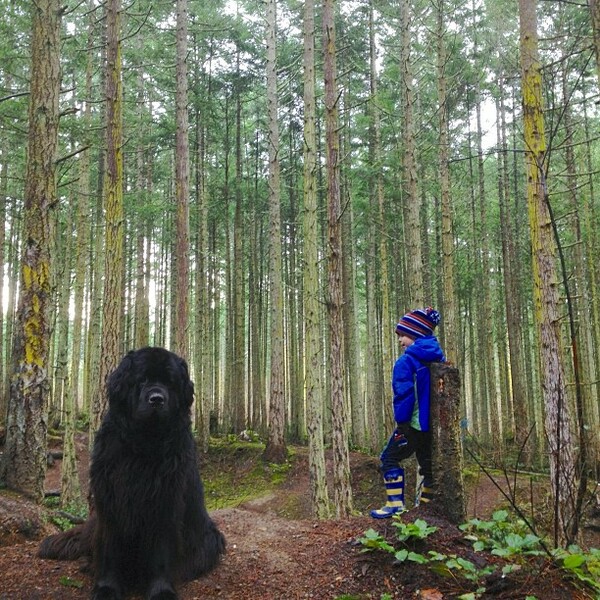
point(394, 487)
point(425, 493)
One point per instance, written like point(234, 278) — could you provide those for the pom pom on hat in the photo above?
point(418, 323)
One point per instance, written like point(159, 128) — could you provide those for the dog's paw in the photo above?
point(106, 592)
point(161, 589)
point(164, 595)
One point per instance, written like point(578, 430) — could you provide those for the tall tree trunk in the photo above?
point(64, 397)
point(182, 187)
point(4, 203)
point(70, 485)
point(141, 334)
point(142, 235)
point(341, 458)
point(82, 226)
point(24, 460)
point(557, 419)
point(512, 295)
point(450, 312)
point(13, 269)
point(485, 329)
point(591, 244)
point(275, 450)
point(295, 356)
point(577, 305)
point(257, 300)
point(256, 333)
point(384, 323)
point(91, 366)
point(238, 371)
point(112, 309)
point(376, 391)
point(412, 226)
point(314, 349)
point(352, 346)
point(203, 372)
point(228, 394)
point(61, 252)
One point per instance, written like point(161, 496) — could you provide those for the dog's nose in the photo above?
point(156, 398)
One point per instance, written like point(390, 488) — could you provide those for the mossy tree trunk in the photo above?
point(446, 441)
point(24, 464)
point(557, 419)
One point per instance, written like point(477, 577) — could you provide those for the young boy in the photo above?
point(410, 384)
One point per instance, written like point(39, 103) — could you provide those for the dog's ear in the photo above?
point(188, 386)
point(118, 382)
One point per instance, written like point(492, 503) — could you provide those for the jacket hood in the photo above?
point(426, 349)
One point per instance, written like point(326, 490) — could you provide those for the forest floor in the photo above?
point(276, 551)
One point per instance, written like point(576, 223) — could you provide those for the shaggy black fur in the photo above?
point(148, 527)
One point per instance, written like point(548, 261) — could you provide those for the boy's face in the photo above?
point(406, 340)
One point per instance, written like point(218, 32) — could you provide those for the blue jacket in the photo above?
point(411, 380)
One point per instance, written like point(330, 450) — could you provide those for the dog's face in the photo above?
point(150, 385)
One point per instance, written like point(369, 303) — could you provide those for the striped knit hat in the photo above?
point(418, 323)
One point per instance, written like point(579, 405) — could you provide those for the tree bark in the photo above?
point(449, 309)
point(203, 366)
point(381, 322)
point(341, 457)
point(238, 372)
point(113, 298)
point(24, 461)
point(520, 417)
point(275, 450)
point(412, 226)
point(314, 350)
point(182, 187)
point(557, 419)
point(4, 202)
point(446, 441)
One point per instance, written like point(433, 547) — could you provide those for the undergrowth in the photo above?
point(502, 537)
point(65, 517)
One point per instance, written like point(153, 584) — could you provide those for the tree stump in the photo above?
point(446, 441)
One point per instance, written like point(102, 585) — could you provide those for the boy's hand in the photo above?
point(400, 438)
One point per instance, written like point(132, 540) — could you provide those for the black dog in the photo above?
point(148, 527)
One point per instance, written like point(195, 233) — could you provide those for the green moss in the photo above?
point(234, 472)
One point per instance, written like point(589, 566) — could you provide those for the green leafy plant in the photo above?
point(583, 566)
point(501, 536)
point(66, 517)
point(507, 539)
point(405, 532)
point(373, 540)
point(418, 530)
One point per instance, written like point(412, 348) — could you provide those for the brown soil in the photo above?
point(274, 556)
